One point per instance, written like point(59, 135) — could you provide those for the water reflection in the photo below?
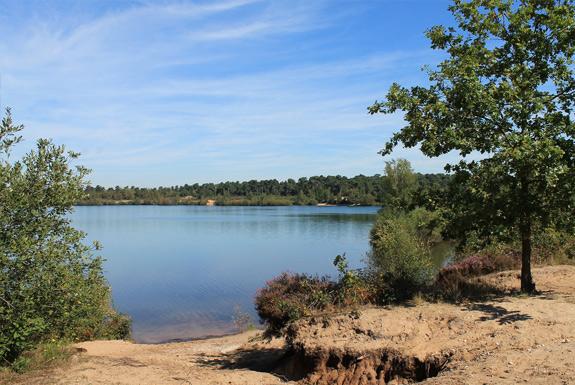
point(180, 270)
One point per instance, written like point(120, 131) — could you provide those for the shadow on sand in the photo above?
point(498, 313)
point(268, 360)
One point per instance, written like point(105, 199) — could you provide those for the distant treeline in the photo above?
point(340, 190)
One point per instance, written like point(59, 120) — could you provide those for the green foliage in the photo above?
point(43, 356)
point(51, 286)
point(400, 260)
point(506, 91)
point(113, 326)
point(552, 246)
point(400, 184)
point(359, 190)
point(352, 289)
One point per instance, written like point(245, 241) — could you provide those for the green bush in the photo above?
point(352, 288)
point(399, 262)
point(43, 356)
point(552, 246)
point(51, 285)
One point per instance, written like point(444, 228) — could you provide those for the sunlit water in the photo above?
point(180, 271)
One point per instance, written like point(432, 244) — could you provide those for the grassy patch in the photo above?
point(45, 356)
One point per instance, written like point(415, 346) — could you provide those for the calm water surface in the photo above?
point(180, 271)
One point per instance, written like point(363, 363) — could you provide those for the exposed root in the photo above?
point(376, 367)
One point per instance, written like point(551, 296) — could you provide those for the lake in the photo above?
point(181, 271)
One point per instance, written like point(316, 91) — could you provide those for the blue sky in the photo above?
point(164, 93)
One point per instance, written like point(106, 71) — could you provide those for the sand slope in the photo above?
point(210, 361)
point(508, 340)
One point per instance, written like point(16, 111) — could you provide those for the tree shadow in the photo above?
point(547, 294)
point(455, 288)
point(499, 313)
point(266, 360)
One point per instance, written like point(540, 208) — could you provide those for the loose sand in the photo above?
point(508, 340)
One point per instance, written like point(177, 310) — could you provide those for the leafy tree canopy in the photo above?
point(400, 183)
point(51, 286)
point(506, 90)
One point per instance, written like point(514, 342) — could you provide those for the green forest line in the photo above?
point(332, 190)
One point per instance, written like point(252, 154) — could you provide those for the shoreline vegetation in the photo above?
point(337, 190)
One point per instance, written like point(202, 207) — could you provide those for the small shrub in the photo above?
point(352, 288)
point(399, 263)
point(482, 263)
point(457, 280)
point(418, 299)
point(552, 246)
point(289, 297)
point(455, 287)
point(116, 327)
point(242, 320)
point(496, 257)
point(43, 356)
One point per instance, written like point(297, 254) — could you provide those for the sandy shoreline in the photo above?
point(508, 340)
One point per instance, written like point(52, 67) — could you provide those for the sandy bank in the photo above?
point(508, 340)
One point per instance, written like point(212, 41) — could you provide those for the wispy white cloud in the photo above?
point(200, 90)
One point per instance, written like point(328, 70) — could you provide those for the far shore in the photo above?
point(184, 203)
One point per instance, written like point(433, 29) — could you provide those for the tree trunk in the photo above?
point(527, 284)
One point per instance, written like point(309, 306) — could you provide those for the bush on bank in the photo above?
point(290, 296)
point(51, 285)
point(399, 263)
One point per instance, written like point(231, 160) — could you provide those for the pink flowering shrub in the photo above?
point(290, 296)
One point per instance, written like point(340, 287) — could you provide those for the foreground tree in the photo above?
point(506, 91)
point(51, 286)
